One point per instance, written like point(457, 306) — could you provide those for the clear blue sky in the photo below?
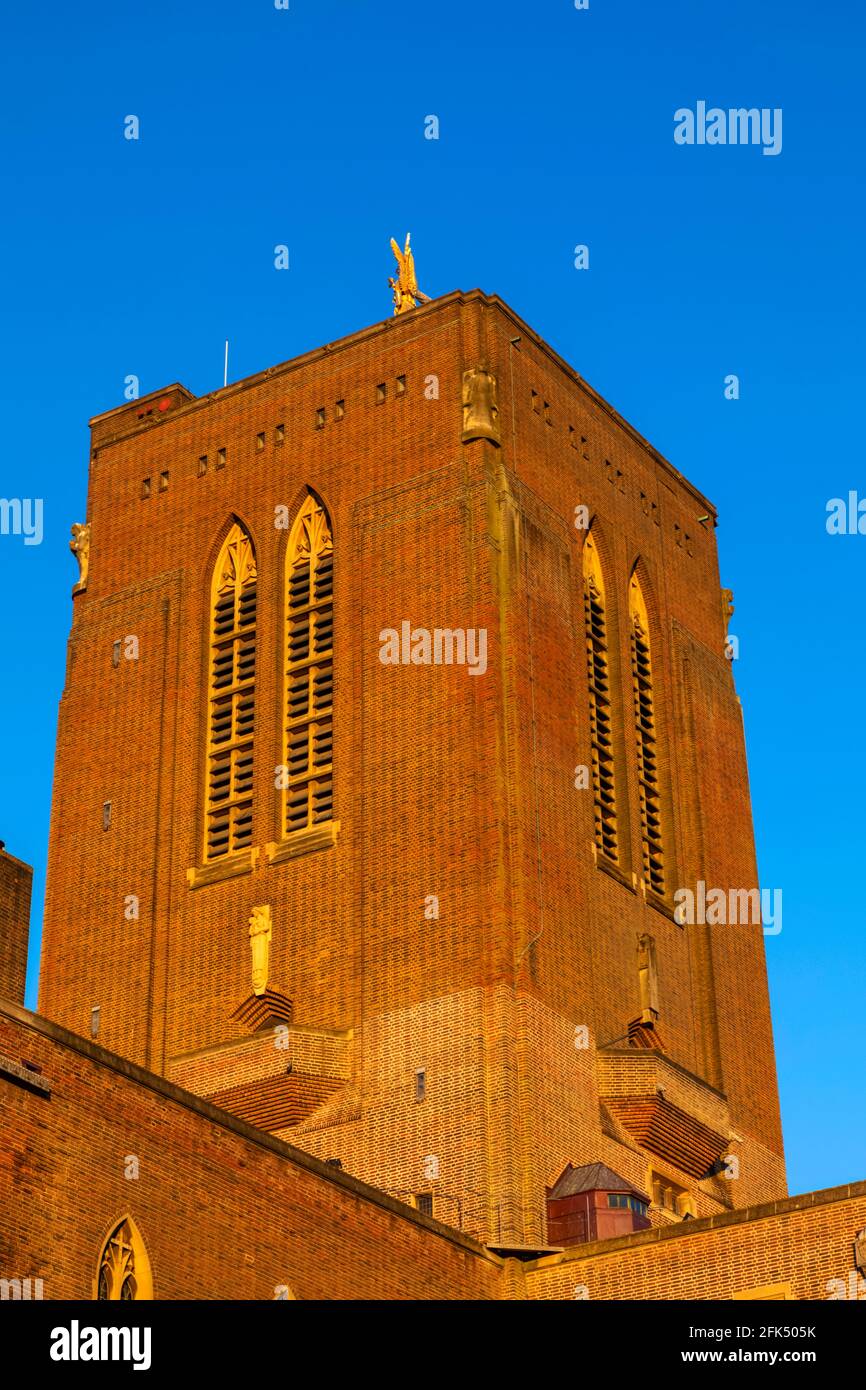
point(305, 127)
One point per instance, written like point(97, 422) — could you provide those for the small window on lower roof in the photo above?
point(624, 1202)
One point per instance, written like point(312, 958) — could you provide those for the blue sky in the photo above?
point(306, 127)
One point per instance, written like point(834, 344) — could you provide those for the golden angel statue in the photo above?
point(405, 287)
point(80, 547)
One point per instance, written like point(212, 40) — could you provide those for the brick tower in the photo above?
point(397, 713)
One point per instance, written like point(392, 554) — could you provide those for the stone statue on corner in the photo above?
point(80, 547)
point(261, 928)
point(480, 407)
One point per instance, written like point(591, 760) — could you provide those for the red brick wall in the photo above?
point(223, 1213)
point(806, 1242)
point(228, 1213)
point(16, 881)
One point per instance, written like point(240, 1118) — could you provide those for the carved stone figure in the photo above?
point(648, 977)
point(860, 1251)
point(261, 928)
point(80, 547)
point(480, 408)
point(405, 287)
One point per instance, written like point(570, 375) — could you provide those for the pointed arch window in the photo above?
point(600, 710)
point(231, 714)
point(309, 735)
point(647, 746)
point(124, 1269)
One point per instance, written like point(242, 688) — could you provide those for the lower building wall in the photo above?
point(227, 1212)
point(798, 1248)
point(224, 1211)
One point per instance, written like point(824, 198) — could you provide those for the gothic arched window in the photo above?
point(645, 734)
point(309, 737)
point(231, 713)
point(600, 710)
point(124, 1269)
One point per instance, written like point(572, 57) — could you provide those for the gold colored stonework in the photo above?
point(80, 547)
point(480, 406)
point(261, 930)
point(648, 978)
point(124, 1273)
point(405, 287)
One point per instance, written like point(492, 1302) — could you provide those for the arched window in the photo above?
point(309, 736)
point(124, 1269)
point(231, 715)
point(645, 733)
point(600, 712)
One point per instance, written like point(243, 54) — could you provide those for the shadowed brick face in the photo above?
point(446, 785)
point(16, 880)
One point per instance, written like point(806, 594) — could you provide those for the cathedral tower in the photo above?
point(398, 729)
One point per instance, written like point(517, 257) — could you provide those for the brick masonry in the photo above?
point(224, 1210)
point(228, 1212)
point(16, 882)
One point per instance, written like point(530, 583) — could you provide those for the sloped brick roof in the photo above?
point(664, 1129)
point(278, 1102)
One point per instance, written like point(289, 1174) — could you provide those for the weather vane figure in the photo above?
point(405, 287)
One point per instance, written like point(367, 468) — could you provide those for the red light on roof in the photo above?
point(164, 403)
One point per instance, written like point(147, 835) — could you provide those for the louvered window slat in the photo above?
point(601, 733)
point(308, 799)
point(647, 750)
point(231, 723)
